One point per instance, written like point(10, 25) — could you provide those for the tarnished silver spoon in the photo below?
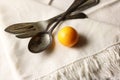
point(44, 39)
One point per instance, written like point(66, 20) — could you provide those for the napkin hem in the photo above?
point(105, 63)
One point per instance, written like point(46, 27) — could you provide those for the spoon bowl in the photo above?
point(40, 42)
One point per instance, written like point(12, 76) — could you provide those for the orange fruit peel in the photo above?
point(68, 36)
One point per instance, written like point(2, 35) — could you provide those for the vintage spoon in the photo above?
point(26, 30)
point(43, 40)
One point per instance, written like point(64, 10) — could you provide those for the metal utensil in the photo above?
point(26, 30)
point(44, 39)
point(50, 2)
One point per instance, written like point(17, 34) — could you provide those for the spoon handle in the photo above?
point(74, 5)
point(84, 6)
point(76, 16)
point(51, 1)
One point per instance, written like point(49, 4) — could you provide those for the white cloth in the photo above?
point(99, 53)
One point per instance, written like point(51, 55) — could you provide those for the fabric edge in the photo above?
point(106, 63)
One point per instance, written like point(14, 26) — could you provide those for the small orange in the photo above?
point(68, 36)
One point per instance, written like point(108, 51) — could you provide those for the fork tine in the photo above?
point(19, 28)
point(26, 35)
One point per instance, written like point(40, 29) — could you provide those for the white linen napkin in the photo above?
point(101, 38)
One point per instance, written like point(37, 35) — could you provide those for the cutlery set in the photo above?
point(40, 32)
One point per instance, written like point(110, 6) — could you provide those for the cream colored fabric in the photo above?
point(100, 34)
